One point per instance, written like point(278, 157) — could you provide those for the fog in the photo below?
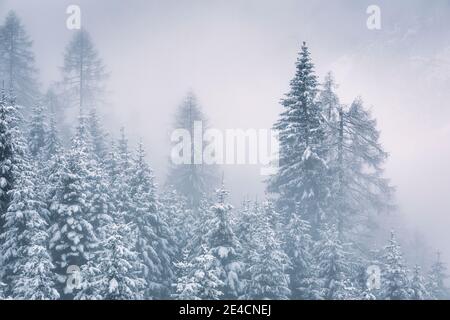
point(238, 57)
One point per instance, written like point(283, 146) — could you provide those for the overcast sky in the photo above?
point(238, 57)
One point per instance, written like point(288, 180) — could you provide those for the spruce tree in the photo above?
point(436, 280)
point(395, 283)
point(298, 245)
point(302, 177)
point(31, 265)
point(267, 263)
point(37, 131)
point(333, 267)
point(97, 135)
point(225, 246)
point(112, 273)
point(418, 286)
point(27, 266)
point(7, 152)
point(200, 278)
point(153, 236)
point(72, 236)
point(17, 62)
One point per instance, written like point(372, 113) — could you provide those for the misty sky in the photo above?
point(238, 57)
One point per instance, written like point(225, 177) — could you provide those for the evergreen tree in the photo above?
point(192, 180)
point(200, 279)
point(395, 275)
point(356, 161)
point(112, 273)
point(268, 264)
point(37, 131)
point(97, 135)
point(27, 265)
point(225, 246)
point(328, 99)
point(298, 243)
point(302, 177)
point(153, 236)
point(83, 72)
point(17, 63)
point(52, 145)
point(334, 268)
point(25, 244)
point(72, 236)
point(7, 152)
point(179, 217)
point(436, 280)
point(418, 287)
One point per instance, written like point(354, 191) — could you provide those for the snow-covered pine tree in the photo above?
point(83, 72)
point(37, 131)
point(25, 241)
point(436, 280)
point(97, 135)
point(113, 271)
point(72, 236)
point(200, 278)
point(333, 267)
point(267, 263)
point(123, 153)
point(395, 284)
point(418, 286)
point(185, 286)
point(154, 240)
point(17, 63)
point(192, 180)
point(7, 152)
point(245, 224)
point(225, 246)
point(27, 265)
point(52, 144)
point(304, 283)
point(302, 177)
point(179, 217)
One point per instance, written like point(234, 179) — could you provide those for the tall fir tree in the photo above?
point(302, 177)
point(72, 236)
point(193, 180)
point(83, 72)
point(17, 61)
point(153, 238)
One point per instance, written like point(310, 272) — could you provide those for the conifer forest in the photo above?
point(129, 169)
